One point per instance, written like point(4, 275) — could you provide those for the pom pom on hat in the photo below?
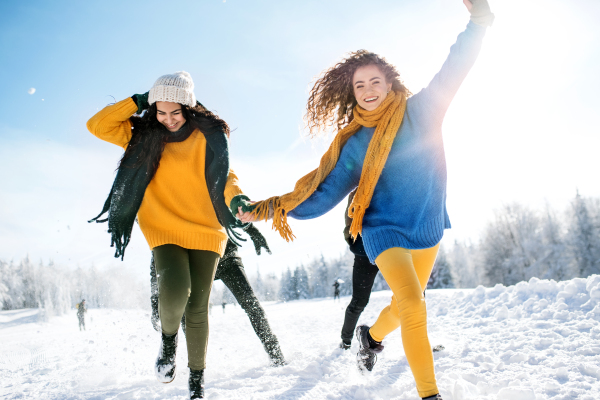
point(175, 88)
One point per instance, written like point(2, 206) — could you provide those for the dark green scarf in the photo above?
point(133, 177)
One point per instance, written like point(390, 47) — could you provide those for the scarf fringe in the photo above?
point(280, 223)
point(356, 212)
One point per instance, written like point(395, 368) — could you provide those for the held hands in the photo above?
point(245, 216)
point(480, 12)
point(242, 208)
point(142, 102)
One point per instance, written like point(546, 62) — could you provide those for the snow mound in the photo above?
point(536, 340)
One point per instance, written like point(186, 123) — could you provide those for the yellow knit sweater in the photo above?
point(176, 208)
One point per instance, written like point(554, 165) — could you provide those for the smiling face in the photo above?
point(170, 115)
point(370, 87)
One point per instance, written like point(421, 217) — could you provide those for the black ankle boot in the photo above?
point(434, 397)
point(165, 363)
point(367, 350)
point(196, 384)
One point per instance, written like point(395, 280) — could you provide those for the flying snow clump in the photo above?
point(31, 90)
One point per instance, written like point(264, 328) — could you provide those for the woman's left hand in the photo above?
point(480, 12)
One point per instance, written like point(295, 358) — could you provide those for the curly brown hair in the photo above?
point(332, 100)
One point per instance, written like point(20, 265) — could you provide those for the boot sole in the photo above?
point(164, 381)
point(161, 378)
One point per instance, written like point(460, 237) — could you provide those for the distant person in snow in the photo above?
point(336, 290)
point(174, 177)
point(231, 272)
point(363, 277)
point(388, 147)
point(81, 310)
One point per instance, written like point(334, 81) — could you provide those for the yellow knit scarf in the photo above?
point(387, 118)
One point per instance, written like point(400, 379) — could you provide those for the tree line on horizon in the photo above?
point(518, 244)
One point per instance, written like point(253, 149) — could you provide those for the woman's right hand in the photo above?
point(142, 102)
point(245, 216)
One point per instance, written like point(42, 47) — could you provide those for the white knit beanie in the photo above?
point(176, 88)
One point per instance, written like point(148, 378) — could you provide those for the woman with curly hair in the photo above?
point(399, 210)
point(174, 177)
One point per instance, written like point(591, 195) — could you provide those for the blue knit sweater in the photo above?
point(408, 207)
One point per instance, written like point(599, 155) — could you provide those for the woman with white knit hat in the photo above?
point(174, 177)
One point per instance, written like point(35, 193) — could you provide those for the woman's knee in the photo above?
point(413, 304)
point(172, 304)
point(358, 303)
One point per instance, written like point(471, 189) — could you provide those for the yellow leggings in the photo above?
point(407, 272)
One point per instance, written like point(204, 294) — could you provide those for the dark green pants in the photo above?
point(185, 280)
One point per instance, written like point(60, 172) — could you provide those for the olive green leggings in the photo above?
point(185, 279)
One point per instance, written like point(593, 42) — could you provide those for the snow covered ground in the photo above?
point(536, 340)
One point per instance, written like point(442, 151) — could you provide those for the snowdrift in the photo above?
point(535, 340)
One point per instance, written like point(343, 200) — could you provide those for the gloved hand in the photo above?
point(257, 238)
point(230, 222)
point(142, 102)
point(480, 12)
point(240, 201)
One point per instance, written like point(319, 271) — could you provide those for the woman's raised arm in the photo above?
point(112, 124)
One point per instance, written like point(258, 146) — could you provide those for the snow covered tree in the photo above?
point(465, 264)
point(440, 275)
point(341, 268)
point(4, 294)
point(287, 290)
point(301, 281)
point(320, 280)
point(584, 238)
point(227, 296)
point(258, 285)
point(555, 261)
point(270, 289)
point(511, 245)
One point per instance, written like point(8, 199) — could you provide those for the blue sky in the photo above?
point(522, 128)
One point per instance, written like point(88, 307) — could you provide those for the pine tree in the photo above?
point(301, 280)
point(271, 287)
point(320, 284)
point(286, 289)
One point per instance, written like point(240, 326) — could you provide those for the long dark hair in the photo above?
point(331, 99)
point(153, 136)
